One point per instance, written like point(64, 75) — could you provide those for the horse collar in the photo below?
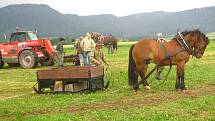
point(183, 44)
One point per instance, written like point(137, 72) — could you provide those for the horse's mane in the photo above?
point(195, 32)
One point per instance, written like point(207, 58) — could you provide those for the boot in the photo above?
point(158, 77)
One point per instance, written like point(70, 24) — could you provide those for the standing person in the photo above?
point(60, 52)
point(110, 44)
point(160, 69)
point(160, 38)
point(87, 44)
point(79, 51)
point(97, 56)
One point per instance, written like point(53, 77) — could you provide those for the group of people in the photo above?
point(88, 51)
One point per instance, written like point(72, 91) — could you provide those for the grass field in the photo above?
point(118, 102)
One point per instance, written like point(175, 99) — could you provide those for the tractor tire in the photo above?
point(48, 61)
point(1, 63)
point(28, 59)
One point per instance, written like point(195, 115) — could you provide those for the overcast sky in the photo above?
point(116, 7)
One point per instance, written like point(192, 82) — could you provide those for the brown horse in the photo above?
point(95, 36)
point(175, 52)
point(109, 41)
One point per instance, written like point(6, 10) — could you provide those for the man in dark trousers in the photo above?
point(60, 52)
point(160, 69)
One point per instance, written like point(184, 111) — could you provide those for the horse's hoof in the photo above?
point(147, 87)
point(184, 88)
point(135, 92)
point(135, 88)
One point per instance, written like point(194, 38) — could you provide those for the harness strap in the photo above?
point(183, 44)
point(147, 76)
point(178, 51)
point(169, 57)
point(105, 73)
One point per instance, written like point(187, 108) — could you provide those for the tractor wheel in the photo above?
point(28, 59)
point(1, 63)
point(48, 61)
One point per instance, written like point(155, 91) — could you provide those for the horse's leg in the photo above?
point(115, 47)
point(145, 83)
point(178, 81)
point(142, 70)
point(183, 87)
point(158, 73)
point(180, 84)
point(109, 49)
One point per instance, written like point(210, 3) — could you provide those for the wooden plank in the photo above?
point(72, 72)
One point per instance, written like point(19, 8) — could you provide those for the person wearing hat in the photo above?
point(79, 51)
point(97, 56)
point(87, 44)
point(60, 52)
point(160, 39)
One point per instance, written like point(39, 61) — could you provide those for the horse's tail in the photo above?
point(132, 73)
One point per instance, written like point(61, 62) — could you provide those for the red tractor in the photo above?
point(27, 50)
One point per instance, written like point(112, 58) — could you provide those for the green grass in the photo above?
point(57, 107)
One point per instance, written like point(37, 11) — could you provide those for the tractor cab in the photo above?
point(22, 36)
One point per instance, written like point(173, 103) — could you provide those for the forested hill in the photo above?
point(50, 22)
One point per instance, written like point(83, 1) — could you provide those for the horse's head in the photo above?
point(200, 46)
point(198, 42)
point(95, 36)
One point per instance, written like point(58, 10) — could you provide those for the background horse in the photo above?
point(176, 52)
point(95, 36)
point(109, 41)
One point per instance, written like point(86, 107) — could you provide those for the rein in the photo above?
point(147, 76)
point(105, 75)
point(169, 57)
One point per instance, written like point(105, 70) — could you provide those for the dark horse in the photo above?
point(109, 41)
point(175, 52)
